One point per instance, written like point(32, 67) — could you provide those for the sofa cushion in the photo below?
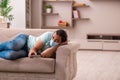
point(12, 33)
point(36, 64)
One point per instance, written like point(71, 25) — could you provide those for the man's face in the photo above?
point(56, 38)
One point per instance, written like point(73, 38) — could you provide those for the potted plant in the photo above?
point(48, 8)
point(5, 9)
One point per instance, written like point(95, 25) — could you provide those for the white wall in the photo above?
point(19, 13)
point(36, 13)
point(104, 18)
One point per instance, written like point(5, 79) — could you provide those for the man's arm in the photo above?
point(33, 51)
point(48, 53)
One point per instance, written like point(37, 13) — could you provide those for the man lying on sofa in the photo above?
point(25, 45)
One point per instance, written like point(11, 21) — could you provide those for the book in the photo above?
point(76, 14)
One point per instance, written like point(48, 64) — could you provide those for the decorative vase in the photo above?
point(8, 24)
point(49, 10)
point(4, 22)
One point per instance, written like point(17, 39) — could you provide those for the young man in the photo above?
point(27, 45)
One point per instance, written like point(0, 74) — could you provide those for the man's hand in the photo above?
point(32, 52)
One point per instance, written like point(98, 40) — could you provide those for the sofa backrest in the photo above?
point(8, 34)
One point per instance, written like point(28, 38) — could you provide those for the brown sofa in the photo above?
point(37, 68)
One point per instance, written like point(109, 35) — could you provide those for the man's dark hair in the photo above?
point(63, 34)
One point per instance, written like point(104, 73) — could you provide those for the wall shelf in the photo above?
point(49, 20)
point(76, 11)
point(75, 19)
point(56, 27)
point(81, 6)
point(58, 1)
point(71, 5)
point(50, 13)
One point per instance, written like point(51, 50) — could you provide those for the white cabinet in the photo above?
point(111, 45)
point(101, 42)
point(91, 44)
point(94, 44)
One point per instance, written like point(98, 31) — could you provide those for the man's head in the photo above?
point(59, 36)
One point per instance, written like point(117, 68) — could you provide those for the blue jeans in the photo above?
point(14, 49)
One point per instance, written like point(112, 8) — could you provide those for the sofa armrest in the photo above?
point(66, 64)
